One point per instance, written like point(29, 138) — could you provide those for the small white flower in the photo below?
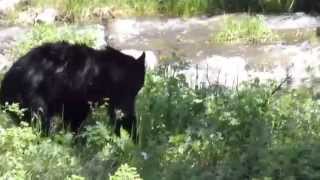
point(145, 155)
point(119, 114)
point(2, 130)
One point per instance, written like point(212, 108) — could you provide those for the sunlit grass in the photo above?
point(42, 33)
point(250, 29)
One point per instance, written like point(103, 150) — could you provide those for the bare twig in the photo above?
point(278, 88)
point(280, 85)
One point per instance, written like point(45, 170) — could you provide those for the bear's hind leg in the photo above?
point(41, 112)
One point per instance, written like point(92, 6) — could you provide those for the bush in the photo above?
point(255, 131)
point(278, 6)
point(88, 10)
point(42, 33)
point(248, 30)
point(25, 155)
point(244, 133)
point(125, 172)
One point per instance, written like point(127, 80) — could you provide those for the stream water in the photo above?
point(189, 39)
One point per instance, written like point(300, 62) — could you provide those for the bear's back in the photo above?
point(45, 67)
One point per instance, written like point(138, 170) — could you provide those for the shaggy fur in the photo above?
point(61, 78)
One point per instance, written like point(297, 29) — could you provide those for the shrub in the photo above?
point(247, 30)
point(42, 33)
point(125, 172)
point(244, 133)
point(25, 155)
point(255, 131)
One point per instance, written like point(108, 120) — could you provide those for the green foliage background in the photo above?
point(186, 133)
point(84, 10)
point(250, 29)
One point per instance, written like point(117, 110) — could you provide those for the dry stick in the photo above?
point(237, 88)
point(197, 77)
point(225, 79)
point(217, 81)
point(279, 86)
point(277, 89)
point(235, 82)
point(286, 80)
point(207, 76)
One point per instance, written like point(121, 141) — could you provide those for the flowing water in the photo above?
point(190, 40)
point(296, 54)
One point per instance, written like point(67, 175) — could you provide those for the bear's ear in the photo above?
point(141, 59)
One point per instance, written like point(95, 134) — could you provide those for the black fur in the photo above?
point(61, 78)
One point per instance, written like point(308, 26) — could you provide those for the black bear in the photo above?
point(62, 78)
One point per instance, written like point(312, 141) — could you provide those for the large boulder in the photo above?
point(8, 36)
point(4, 63)
point(7, 5)
point(47, 16)
point(217, 70)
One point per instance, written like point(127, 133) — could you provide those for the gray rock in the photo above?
point(300, 62)
point(217, 70)
point(151, 58)
point(292, 21)
point(4, 63)
point(188, 37)
point(305, 66)
point(47, 16)
point(8, 36)
point(28, 16)
point(97, 30)
point(7, 5)
point(11, 33)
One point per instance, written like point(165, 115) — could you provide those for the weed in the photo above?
point(247, 30)
point(87, 10)
point(251, 132)
point(42, 33)
point(126, 172)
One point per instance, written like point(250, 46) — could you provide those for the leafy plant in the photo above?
point(246, 30)
point(42, 33)
point(15, 109)
point(71, 11)
point(278, 5)
point(255, 131)
point(125, 172)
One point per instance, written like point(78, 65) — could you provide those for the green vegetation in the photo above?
point(80, 10)
point(250, 29)
point(83, 10)
point(256, 131)
point(126, 172)
point(49, 33)
point(245, 133)
point(279, 5)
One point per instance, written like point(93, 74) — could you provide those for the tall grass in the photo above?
point(256, 131)
point(81, 10)
point(42, 33)
point(251, 29)
point(244, 133)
